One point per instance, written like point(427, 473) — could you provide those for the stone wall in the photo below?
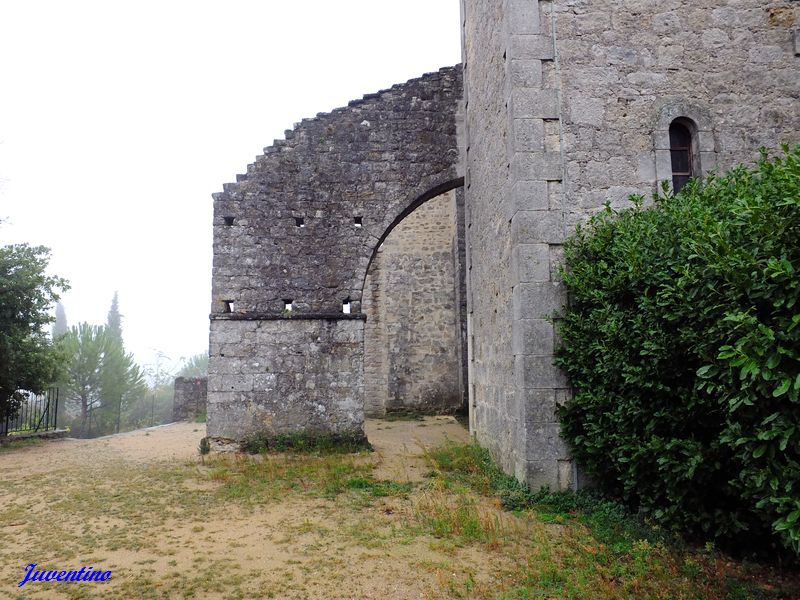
point(412, 361)
point(627, 69)
point(293, 238)
point(568, 103)
point(498, 198)
point(285, 376)
point(303, 222)
point(189, 398)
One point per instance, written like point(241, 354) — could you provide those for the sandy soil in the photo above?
point(401, 445)
point(141, 505)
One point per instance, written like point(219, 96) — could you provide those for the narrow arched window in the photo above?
point(681, 149)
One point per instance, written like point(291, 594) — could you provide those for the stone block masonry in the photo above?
point(189, 399)
point(293, 239)
point(411, 347)
point(285, 376)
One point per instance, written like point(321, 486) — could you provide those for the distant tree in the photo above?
point(122, 383)
point(28, 360)
point(122, 380)
point(114, 319)
point(101, 378)
point(85, 347)
point(195, 366)
point(60, 327)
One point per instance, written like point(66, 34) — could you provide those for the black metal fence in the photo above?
point(37, 413)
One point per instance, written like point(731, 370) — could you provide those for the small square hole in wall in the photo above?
point(228, 220)
point(358, 222)
point(287, 304)
point(346, 306)
point(299, 222)
point(228, 306)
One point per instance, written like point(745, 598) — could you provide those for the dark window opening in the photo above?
point(682, 154)
point(228, 220)
point(346, 306)
point(228, 306)
point(357, 221)
point(299, 222)
point(287, 304)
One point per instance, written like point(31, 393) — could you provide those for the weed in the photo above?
point(205, 448)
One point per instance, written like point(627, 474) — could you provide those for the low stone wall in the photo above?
point(190, 396)
point(286, 375)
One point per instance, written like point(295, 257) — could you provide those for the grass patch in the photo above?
point(259, 442)
point(575, 545)
point(273, 476)
point(9, 443)
point(378, 489)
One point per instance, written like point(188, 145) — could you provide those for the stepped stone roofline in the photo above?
point(279, 145)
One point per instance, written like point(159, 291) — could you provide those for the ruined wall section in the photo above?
point(285, 376)
point(288, 228)
point(300, 228)
point(189, 398)
point(628, 68)
point(411, 350)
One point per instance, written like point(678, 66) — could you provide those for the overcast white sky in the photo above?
point(118, 120)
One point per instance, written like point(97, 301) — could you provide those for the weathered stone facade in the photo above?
point(412, 360)
point(293, 239)
point(189, 398)
point(566, 104)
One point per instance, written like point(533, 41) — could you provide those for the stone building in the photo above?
point(560, 106)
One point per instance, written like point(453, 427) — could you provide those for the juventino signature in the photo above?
point(84, 574)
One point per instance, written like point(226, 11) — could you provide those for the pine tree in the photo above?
point(114, 320)
point(122, 381)
point(85, 345)
point(60, 326)
point(102, 380)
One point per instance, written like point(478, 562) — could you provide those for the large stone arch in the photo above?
point(302, 225)
point(413, 202)
point(414, 300)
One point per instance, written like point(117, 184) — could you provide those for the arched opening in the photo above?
point(414, 299)
point(683, 152)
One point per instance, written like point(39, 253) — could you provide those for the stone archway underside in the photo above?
point(300, 228)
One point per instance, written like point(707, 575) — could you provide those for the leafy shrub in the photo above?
point(682, 343)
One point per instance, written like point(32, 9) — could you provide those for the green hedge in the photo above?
point(682, 343)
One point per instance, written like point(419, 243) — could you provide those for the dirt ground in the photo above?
point(141, 505)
